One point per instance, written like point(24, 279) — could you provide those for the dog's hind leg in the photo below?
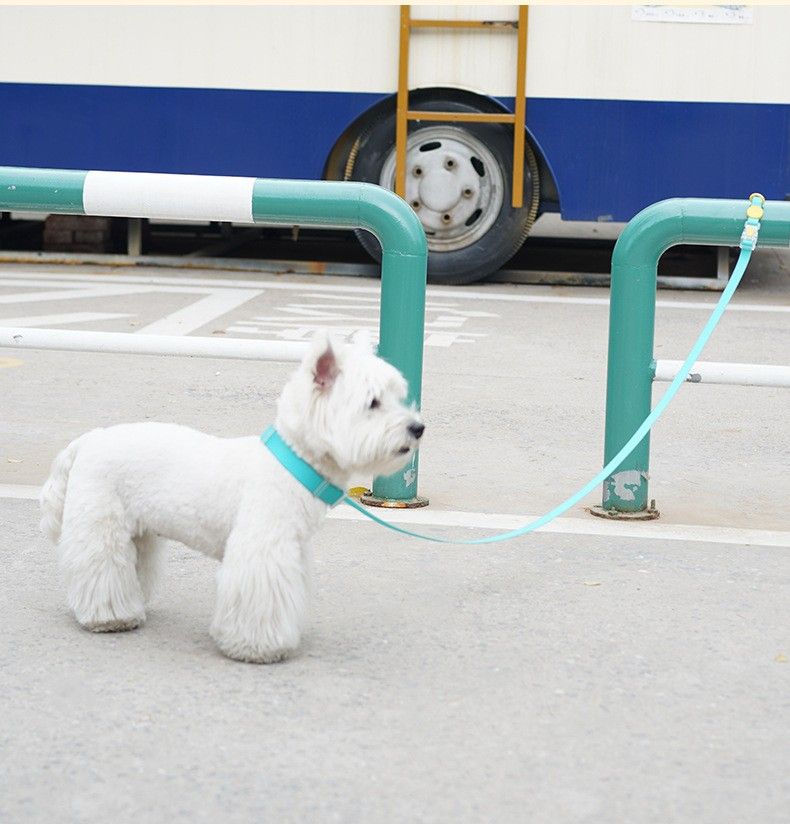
point(150, 563)
point(99, 560)
point(262, 593)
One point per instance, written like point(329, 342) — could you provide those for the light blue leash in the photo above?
point(332, 494)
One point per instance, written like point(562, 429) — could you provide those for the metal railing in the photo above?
point(631, 366)
point(255, 201)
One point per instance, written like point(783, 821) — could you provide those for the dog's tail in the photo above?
point(53, 493)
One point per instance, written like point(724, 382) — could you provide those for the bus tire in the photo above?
point(458, 181)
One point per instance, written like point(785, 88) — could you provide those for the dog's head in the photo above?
point(347, 407)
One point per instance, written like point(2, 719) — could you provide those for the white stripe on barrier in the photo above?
point(173, 197)
point(130, 344)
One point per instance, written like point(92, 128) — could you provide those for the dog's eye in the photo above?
point(375, 403)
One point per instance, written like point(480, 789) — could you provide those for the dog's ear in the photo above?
point(325, 368)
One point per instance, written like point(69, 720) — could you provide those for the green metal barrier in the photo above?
point(271, 202)
point(631, 366)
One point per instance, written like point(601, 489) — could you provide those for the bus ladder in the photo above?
point(518, 118)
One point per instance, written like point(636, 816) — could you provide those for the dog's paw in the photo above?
point(114, 624)
point(241, 651)
point(260, 647)
point(256, 656)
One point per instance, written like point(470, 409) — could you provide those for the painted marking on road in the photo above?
point(436, 334)
point(653, 530)
point(444, 322)
point(10, 363)
point(20, 492)
point(217, 301)
point(341, 307)
point(87, 288)
point(35, 321)
point(278, 329)
point(455, 294)
point(200, 313)
point(650, 531)
point(75, 294)
point(41, 281)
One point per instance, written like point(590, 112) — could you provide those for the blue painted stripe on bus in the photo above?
point(614, 157)
point(185, 131)
point(610, 157)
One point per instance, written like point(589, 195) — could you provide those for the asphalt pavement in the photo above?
point(594, 672)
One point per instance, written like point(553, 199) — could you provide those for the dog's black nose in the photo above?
point(416, 430)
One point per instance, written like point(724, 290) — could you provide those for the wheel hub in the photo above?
point(453, 183)
point(438, 189)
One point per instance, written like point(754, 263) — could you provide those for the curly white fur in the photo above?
point(115, 494)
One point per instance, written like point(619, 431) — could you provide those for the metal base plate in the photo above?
point(649, 514)
point(369, 499)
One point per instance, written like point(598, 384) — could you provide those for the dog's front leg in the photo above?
point(262, 592)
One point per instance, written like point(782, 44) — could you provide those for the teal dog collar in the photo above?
point(311, 480)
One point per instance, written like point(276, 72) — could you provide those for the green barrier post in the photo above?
point(631, 366)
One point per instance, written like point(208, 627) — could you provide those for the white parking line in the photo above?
point(645, 530)
point(19, 491)
point(69, 292)
point(217, 302)
point(59, 320)
point(598, 527)
point(443, 325)
point(85, 286)
point(199, 313)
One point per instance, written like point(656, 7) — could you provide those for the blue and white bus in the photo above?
point(625, 104)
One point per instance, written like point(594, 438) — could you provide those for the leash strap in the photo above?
point(747, 243)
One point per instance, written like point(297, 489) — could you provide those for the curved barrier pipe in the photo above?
point(272, 202)
point(631, 367)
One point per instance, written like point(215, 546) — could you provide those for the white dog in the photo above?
point(115, 494)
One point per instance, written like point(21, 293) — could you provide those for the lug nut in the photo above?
point(468, 192)
point(415, 204)
point(449, 163)
point(417, 171)
point(446, 218)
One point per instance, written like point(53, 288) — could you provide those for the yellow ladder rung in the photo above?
point(461, 117)
point(464, 24)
